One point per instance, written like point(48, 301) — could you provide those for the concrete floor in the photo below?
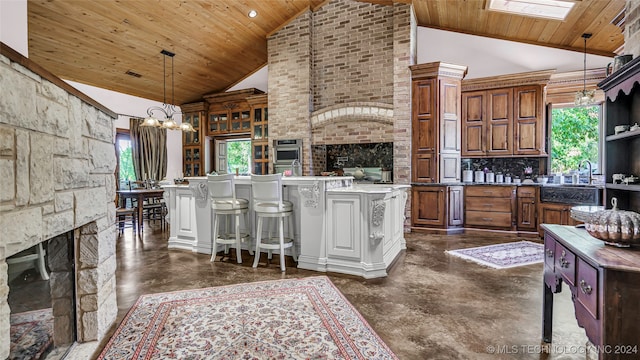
point(431, 306)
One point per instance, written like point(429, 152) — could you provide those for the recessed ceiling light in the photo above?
point(549, 9)
point(252, 13)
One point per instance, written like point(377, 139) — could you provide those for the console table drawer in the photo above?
point(489, 191)
point(566, 264)
point(587, 287)
point(484, 218)
point(485, 204)
point(549, 250)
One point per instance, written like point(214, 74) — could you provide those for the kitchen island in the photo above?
point(339, 226)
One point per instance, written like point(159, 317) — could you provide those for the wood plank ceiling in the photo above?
point(217, 44)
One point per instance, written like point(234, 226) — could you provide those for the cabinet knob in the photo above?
point(549, 253)
point(586, 288)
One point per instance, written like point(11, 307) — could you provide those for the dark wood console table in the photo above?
point(605, 288)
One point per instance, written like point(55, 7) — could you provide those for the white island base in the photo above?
point(339, 226)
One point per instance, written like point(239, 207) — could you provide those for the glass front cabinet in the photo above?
point(259, 133)
point(192, 147)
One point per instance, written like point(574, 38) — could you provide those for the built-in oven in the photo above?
point(285, 152)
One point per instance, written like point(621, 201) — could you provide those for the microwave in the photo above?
point(285, 151)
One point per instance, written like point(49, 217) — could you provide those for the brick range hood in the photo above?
point(57, 163)
point(352, 81)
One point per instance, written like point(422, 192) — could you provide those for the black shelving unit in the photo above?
point(622, 151)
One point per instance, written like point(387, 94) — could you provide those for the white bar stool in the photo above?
point(222, 193)
point(266, 191)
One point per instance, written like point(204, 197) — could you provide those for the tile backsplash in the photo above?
point(513, 166)
point(365, 155)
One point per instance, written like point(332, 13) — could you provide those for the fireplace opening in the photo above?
point(41, 298)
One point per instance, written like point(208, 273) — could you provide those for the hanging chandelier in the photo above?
point(584, 96)
point(167, 110)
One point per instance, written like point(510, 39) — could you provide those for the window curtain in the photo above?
point(149, 150)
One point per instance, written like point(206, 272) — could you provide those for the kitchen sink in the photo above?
point(576, 194)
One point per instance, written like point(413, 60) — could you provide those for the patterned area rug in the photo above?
point(502, 256)
point(283, 319)
point(31, 334)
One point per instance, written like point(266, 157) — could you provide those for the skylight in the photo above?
point(549, 9)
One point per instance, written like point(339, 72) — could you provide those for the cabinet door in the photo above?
point(428, 206)
point(529, 120)
point(424, 116)
point(473, 124)
point(344, 226)
point(527, 213)
point(425, 168)
point(499, 122)
point(553, 214)
point(456, 206)
point(218, 123)
point(527, 219)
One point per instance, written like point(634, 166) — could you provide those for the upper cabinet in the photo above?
point(229, 112)
point(435, 122)
point(192, 142)
point(504, 115)
point(259, 133)
point(622, 150)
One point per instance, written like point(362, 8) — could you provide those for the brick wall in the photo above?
point(352, 53)
point(632, 28)
point(290, 84)
point(345, 54)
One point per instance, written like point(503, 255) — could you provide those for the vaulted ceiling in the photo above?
point(217, 44)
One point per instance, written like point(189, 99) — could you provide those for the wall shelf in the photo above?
point(624, 135)
point(630, 187)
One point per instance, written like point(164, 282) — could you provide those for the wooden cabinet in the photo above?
point(435, 122)
point(604, 282)
point(437, 207)
point(490, 207)
point(622, 150)
point(259, 133)
point(553, 213)
point(527, 212)
point(503, 115)
point(487, 127)
point(229, 112)
point(529, 121)
point(192, 142)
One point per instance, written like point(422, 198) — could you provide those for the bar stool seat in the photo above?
point(223, 199)
point(266, 191)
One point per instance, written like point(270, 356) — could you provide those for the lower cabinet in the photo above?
point(527, 200)
point(490, 207)
point(437, 207)
point(554, 213)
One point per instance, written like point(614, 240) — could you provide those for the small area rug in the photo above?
point(282, 319)
point(31, 334)
point(502, 256)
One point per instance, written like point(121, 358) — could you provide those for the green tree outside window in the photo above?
point(574, 137)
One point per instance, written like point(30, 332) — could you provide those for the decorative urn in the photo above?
point(615, 227)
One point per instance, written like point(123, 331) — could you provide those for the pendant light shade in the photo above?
point(584, 96)
point(167, 110)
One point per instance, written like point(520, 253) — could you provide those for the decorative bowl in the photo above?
point(615, 227)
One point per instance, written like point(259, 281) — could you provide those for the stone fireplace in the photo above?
point(57, 164)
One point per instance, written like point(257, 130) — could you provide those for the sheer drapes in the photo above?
point(149, 150)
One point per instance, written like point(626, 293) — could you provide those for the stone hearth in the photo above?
point(57, 164)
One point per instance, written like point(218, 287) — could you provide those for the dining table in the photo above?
point(140, 195)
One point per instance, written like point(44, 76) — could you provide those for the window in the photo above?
point(549, 9)
point(124, 170)
point(233, 155)
point(575, 136)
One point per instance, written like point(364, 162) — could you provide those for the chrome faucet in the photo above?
point(590, 169)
